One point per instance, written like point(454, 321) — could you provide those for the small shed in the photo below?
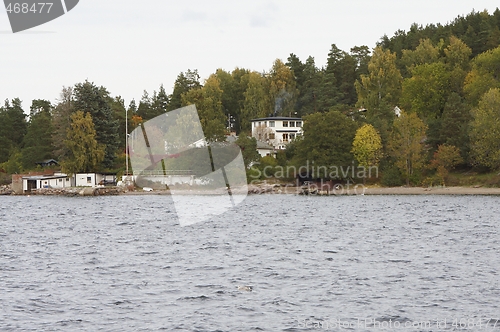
point(94, 179)
point(47, 163)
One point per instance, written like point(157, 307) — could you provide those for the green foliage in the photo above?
point(425, 92)
point(392, 177)
point(445, 159)
point(485, 131)
point(282, 89)
point(281, 157)
point(85, 152)
point(425, 53)
point(208, 101)
point(454, 124)
point(61, 121)
point(150, 107)
point(382, 83)
point(184, 83)
point(37, 143)
point(267, 167)
point(119, 112)
point(367, 146)
point(478, 30)
point(13, 127)
point(248, 146)
point(14, 165)
point(457, 60)
point(88, 98)
point(327, 140)
point(253, 174)
point(256, 103)
point(485, 75)
point(406, 144)
point(39, 106)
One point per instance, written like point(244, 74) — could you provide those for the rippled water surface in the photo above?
point(124, 263)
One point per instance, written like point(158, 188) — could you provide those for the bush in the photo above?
point(391, 177)
point(5, 178)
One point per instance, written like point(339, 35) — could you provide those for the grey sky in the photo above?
point(131, 46)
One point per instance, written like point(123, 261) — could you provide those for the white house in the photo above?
point(265, 149)
point(276, 131)
point(57, 180)
point(94, 179)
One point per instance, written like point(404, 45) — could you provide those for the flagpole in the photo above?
point(126, 140)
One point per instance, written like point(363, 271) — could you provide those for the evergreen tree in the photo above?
point(144, 109)
point(37, 143)
point(117, 106)
point(454, 124)
point(159, 103)
point(309, 92)
point(184, 83)
point(40, 105)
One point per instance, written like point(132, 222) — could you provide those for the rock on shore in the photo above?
point(6, 190)
point(71, 192)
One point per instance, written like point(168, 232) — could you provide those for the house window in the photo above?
point(285, 137)
point(67, 179)
point(285, 123)
point(271, 123)
point(292, 137)
point(292, 124)
point(271, 136)
point(298, 124)
point(60, 180)
point(89, 179)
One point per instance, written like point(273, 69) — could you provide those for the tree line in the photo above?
point(442, 80)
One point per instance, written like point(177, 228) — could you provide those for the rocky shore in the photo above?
point(72, 192)
point(266, 189)
point(6, 190)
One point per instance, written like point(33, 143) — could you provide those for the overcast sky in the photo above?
point(131, 46)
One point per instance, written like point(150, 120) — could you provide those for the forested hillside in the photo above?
point(442, 80)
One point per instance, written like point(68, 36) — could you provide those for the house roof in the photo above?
point(47, 161)
point(44, 177)
point(284, 118)
point(264, 146)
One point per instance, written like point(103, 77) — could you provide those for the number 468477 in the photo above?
point(24, 8)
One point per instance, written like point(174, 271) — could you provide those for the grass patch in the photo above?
point(472, 178)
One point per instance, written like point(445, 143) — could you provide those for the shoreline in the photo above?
point(381, 191)
point(431, 191)
point(267, 189)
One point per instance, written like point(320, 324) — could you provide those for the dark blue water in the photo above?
point(366, 263)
